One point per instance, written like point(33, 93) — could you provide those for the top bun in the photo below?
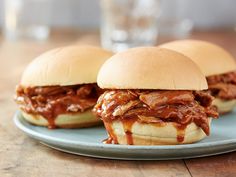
point(65, 66)
point(211, 59)
point(151, 68)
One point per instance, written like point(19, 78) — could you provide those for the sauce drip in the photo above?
point(127, 125)
point(108, 140)
point(51, 117)
point(180, 132)
point(129, 137)
point(51, 123)
point(112, 139)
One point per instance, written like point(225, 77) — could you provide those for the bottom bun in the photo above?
point(79, 120)
point(153, 134)
point(224, 106)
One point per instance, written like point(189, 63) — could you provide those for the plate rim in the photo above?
point(135, 158)
point(18, 122)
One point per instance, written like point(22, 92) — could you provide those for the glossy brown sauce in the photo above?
point(223, 86)
point(127, 126)
point(145, 106)
point(180, 129)
point(112, 139)
point(52, 101)
point(108, 140)
point(51, 123)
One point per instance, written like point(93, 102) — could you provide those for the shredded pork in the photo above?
point(149, 106)
point(223, 86)
point(50, 101)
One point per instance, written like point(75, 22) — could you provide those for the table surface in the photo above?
point(21, 156)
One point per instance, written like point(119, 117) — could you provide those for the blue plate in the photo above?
point(88, 142)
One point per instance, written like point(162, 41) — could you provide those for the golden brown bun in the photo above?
point(79, 120)
point(211, 59)
point(151, 134)
point(65, 66)
point(151, 68)
point(224, 106)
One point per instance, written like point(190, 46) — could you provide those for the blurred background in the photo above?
point(121, 23)
point(86, 14)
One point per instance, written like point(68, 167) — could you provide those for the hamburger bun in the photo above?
point(211, 59)
point(65, 66)
point(151, 134)
point(224, 106)
point(165, 69)
point(79, 120)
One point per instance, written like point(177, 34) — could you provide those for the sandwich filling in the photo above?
point(51, 101)
point(155, 107)
point(223, 86)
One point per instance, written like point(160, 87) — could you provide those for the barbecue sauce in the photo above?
point(52, 101)
point(180, 129)
point(179, 108)
point(127, 126)
point(112, 138)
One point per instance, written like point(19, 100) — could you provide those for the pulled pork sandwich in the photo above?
point(217, 65)
point(59, 89)
point(153, 96)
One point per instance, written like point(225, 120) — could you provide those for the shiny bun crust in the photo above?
point(224, 106)
point(85, 119)
point(151, 68)
point(65, 66)
point(150, 134)
point(211, 58)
